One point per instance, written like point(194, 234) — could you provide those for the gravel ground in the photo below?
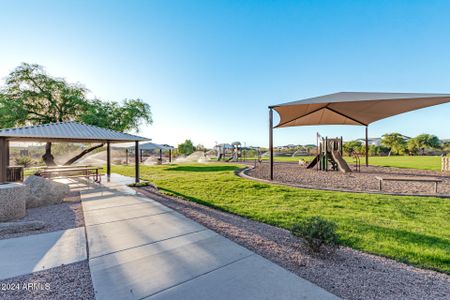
point(66, 215)
point(363, 181)
point(66, 282)
point(347, 273)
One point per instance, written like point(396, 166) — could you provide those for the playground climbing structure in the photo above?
point(329, 155)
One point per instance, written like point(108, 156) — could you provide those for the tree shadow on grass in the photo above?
point(203, 168)
point(190, 198)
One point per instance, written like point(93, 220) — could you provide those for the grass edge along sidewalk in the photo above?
point(413, 230)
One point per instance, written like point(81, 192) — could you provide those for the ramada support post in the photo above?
point(170, 155)
point(3, 159)
point(271, 141)
point(136, 165)
point(108, 160)
point(367, 146)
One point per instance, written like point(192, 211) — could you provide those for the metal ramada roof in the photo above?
point(68, 131)
point(153, 146)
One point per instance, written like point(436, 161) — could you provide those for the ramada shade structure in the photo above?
point(154, 146)
point(348, 108)
point(65, 132)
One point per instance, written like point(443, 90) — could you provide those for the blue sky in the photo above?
point(209, 69)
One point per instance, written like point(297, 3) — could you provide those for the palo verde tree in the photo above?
point(395, 142)
point(425, 141)
point(31, 97)
point(351, 147)
point(186, 148)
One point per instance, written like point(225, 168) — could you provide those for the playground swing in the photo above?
point(329, 155)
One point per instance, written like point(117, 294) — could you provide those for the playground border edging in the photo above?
point(243, 174)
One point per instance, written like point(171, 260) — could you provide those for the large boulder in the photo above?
point(13, 198)
point(44, 191)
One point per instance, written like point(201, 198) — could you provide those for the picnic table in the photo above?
point(72, 171)
point(410, 179)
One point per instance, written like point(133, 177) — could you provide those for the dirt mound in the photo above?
point(99, 158)
point(151, 161)
point(197, 156)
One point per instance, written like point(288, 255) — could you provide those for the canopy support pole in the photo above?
point(136, 165)
point(170, 155)
point(271, 141)
point(367, 146)
point(108, 161)
point(3, 160)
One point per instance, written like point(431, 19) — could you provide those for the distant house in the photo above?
point(288, 147)
point(372, 141)
point(377, 141)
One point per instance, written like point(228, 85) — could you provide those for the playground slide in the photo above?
point(341, 163)
point(313, 162)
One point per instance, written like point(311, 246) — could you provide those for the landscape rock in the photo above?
point(43, 191)
point(12, 201)
point(17, 227)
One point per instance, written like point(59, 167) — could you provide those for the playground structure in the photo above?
point(329, 155)
point(234, 150)
point(445, 164)
point(348, 108)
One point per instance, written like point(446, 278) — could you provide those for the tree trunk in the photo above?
point(83, 153)
point(48, 157)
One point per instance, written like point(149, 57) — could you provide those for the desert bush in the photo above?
point(316, 232)
point(24, 161)
point(139, 184)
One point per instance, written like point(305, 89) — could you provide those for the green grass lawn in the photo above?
point(412, 162)
point(414, 230)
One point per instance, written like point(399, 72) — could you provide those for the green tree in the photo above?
point(31, 97)
point(413, 146)
point(445, 146)
point(395, 142)
point(186, 148)
point(200, 147)
point(351, 147)
point(427, 141)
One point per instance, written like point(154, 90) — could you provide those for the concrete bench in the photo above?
point(409, 179)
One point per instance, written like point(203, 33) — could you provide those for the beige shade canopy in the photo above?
point(352, 108)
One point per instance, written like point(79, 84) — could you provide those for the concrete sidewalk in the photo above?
point(28, 254)
point(139, 249)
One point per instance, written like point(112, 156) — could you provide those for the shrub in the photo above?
point(139, 184)
point(24, 161)
point(316, 232)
